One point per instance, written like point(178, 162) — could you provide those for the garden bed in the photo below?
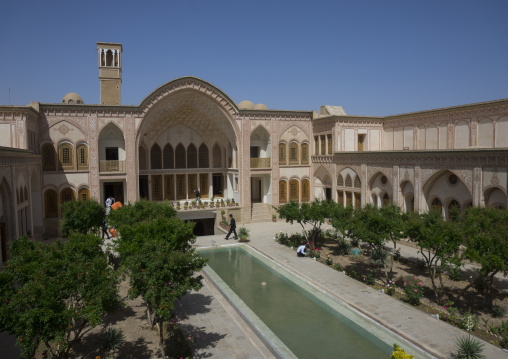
point(361, 268)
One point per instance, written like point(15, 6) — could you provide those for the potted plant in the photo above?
point(274, 218)
point(185, 206)
point(178, 205)
point(243, 234)
point(217, 204)
point(193, 204)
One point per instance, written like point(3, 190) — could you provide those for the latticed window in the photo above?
point(67, 195)
point(156, 157)
point(358, 200)
point(192, 179)
point(323, 144)
point(293, 155)
point(203, 156)
point(305, 154)
point(282, 154)
point(48, 157)
point(180, 156)
point(349, 181)
point(180, 187)
point(316, 145)
point(293, 191)
point(142, 158)
point(340, 197)
point(192, 157)
point(84, 194)
point(65, 156)
point(203, 185)
point(168, 158)
point(349, 199)
point(283, 196)
point(386, 200)
point(340, 181)
point(169, 187)
point(305, 190)
point(157, 188)
point(358, 183)
point(50, 204)
point(361, 141)
point(329, 142)
point(82, 154)
point(436, 205)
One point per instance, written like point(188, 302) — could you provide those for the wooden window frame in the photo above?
point(329, 143)
point(316, 145)
point(293, 160)
point(282, 153)
point(157, 194)
point(48, 157)
point(63, 193)
point(305, 154)
point(156, 157)
point(283, 195)
point(294, 190)
point(51, 204)
point(61, 164)
point(183, 194)
point(82, 165)
point(203, 185)
point(192, 184)
point(169, 187)
point(192, 156)
point(305, 190)
point(84, 192)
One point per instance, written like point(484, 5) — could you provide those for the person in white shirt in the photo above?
point(300, 252)
point(109, 202)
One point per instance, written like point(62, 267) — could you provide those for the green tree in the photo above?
point(313, 213)
point(82, 216)
point(395, 223)
point(54, 293)
point(439, 243)
point(486, 240)
point(131, 214)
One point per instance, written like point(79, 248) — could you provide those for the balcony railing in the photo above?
point(112, 166)
point(260, 162)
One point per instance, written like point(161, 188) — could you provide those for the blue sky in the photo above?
point(376, 57)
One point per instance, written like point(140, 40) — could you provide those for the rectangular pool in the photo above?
point(295, 318)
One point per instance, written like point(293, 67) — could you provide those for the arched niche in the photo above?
point(111, 143)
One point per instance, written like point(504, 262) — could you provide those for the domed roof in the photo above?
point(246, 105)
point(260, 106)
point(72, 99)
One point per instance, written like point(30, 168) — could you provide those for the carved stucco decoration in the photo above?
point(373, 171)
point(93, 155)
point(63, 128)
point(356, 169)
point(465, 175)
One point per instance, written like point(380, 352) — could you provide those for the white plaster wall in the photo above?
point(495, 177)
point(446, 193)
point(319, 189)
point(486, 133)
point(410, 173)
point(421, 138)
point(501, 132)
point(443, 133)
point(180, 134)
point(408, 137)
point(348, 171)
point(432, 137)
point(378, 188)
point(398, 141)
point(5, 135)
point(496, 198)
point(388, 145)
point(373, 140)
point(59, 179)
point(290, 172)
point(350, 140)
point(462, 135)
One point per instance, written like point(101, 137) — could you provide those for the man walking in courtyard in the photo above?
point(232, 227)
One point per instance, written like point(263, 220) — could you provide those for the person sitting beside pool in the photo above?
point(300, 252)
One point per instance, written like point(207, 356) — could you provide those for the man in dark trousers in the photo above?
point(232, 227)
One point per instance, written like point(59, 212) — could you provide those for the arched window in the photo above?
point(293, 153)
point(216, 156)
point(386, 200)
point(283, 193)
point(358, 183)
point(282, 154)
point(48, 157)
point(50, 204)
point(82, 157)
point(203, 156)
point(348, 182)
point(25, 194)
point(84, 194)
point(192, 156)
point(340, 181)
point(180, 156)
point(168, 157)
point(18, 199)
point(142, 158)
point(294, 190)
point(67, 195)
point(155, 157)
point(305, 190)
point(65, 157)
point(436, 205)
point(305, 154)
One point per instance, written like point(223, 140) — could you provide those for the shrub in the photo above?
point(369, 278)
point(293, 240)
point(314, 252)
point(391, 287)
point(468, 348)
point(498, 311)
point(468, 321)
point(328, 260)
point(337, 266)
point(396, 255)
point(114, 340)
point(378, 257)
point(399, 353)
point(243, 234)
point(455, 274)
point(414, 291)
point(343, 246)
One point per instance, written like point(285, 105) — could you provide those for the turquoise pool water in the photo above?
point(311, 327)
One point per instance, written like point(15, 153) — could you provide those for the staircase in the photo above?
point(261, 212)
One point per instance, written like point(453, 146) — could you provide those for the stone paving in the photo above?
point(434, 336)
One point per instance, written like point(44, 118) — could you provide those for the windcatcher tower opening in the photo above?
point(110, 72)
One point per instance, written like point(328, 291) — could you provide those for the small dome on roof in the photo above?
point(246, 105)
point(260, 106)
point(72, 99)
